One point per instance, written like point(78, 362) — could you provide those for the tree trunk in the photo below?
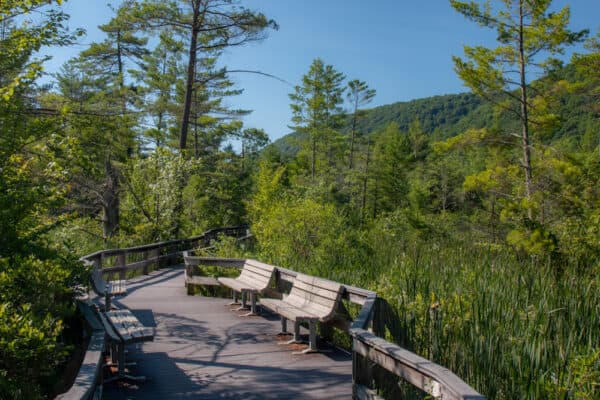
point(191, 74)
point(524, 113)
point(352, 136)
point(364, 194)
point(314, 157)
point(110, 200)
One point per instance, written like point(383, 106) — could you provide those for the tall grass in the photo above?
point(511, 329)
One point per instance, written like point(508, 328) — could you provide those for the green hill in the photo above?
point(448, 115)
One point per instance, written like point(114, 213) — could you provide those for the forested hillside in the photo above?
point(475, 216)
point(446, 116)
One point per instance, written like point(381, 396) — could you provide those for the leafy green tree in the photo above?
point(205, 25)
point(21, 37)
point(358, 95)
point(101, 138)
point(120, 46)
point(527, 34)
point(160, 83)
point(391, 164)
point(36, 299)
point(317, 112)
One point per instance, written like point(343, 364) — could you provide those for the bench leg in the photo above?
point(296, 338)
point(284, 330)
point(312, 341)
point(252, 306)
point(121, 374)
point(235, 301)
point(244, 306)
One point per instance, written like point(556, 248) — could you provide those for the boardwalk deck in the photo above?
point(203, 350)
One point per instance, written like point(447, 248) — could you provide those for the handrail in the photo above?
point(366, 329)
point(426, 375)
point(90, 370)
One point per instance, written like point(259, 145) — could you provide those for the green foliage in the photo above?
point(316, 109)
point(22, 36)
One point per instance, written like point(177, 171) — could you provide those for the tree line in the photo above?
point(477, 235)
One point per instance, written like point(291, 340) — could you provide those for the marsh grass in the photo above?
point(511, 329)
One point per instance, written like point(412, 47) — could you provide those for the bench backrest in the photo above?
point(98, 283)
point(315, 295)
point(256, 273)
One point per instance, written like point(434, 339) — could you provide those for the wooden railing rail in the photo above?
point(90, 373)
point(368, 346)
point(156, 254)
point(84, 387)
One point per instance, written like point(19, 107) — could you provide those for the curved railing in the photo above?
point(366, 330)
point(121, 262)
point(368, 347)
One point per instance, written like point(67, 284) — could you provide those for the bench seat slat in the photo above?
point(302, 296)
point(258, 271)
point(318, 282)
point(284, 309)
point(253, 280)
point(325, 293)
point(237, 285)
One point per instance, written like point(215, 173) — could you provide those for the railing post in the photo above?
point(146, 262)
point(155, 256)
point(172, 249)
point(121, 261)
point(361, 371)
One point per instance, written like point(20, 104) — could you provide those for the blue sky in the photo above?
point(401, 48)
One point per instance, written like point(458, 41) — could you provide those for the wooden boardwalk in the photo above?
point(203, 350)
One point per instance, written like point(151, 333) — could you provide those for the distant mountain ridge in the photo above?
point(449, 115)
point(442, 116)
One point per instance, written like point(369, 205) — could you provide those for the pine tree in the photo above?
point(527, 32)
point(316, 108)
point(205, 25)
point(358, 95)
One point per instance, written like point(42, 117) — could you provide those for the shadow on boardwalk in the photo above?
point(204, 350)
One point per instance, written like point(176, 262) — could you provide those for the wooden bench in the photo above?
point(311, 300)
point(194, 277)
point(122, 328)
point(255, 278)
point(107, 289)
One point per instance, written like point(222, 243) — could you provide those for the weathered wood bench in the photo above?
point(311, 300)
point(108, 289)
point(193, 274)
point(122, 328)
point(255, 278)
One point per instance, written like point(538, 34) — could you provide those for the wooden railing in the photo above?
point(123, 261)
point(118, 263)
point(369, 349)
point(368, 346)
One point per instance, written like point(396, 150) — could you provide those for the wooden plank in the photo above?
point(202, 280)
point(109, 329)
point(89, 372)
point(260, 265)
point(309, 292)
point(319, 282)
point(265, 273)
point(420, 372)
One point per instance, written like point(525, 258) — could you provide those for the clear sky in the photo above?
point(401, 48)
